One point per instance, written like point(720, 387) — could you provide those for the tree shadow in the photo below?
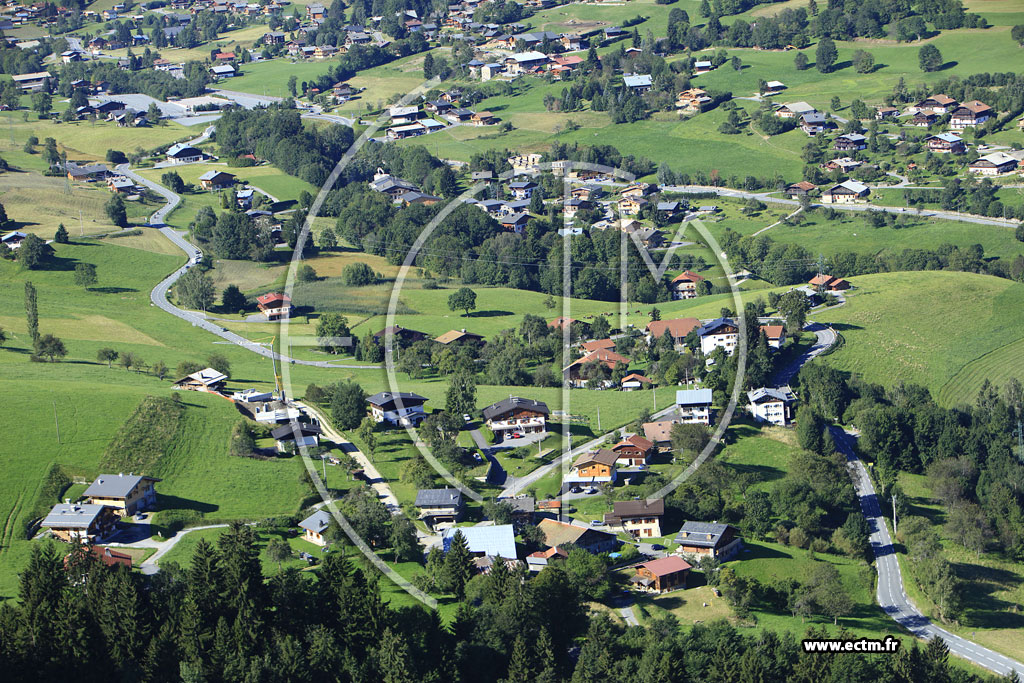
point(18, 225)
point(168, 502)
point(111, 290)
point(878, 66)
point(489, 314)
point(842, 65)
point(948, 65)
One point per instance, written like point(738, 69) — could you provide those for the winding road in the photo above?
point(891, 595)
point(159, 294)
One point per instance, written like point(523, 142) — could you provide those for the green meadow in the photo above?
point(948, 331)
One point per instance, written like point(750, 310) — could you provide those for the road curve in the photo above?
point(890, 594)
point(159, 294)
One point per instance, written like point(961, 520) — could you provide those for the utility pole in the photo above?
point(1020, 440)
point(55, 421)
point(81, 222)
point(599, 419)
point(894, 513)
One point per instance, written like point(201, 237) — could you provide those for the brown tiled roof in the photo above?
point(677, 327)
point(637, 508)
point(667, 565)
point(658, 431)
point(601, 456)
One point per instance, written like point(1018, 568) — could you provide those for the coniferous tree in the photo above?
point(458, 564)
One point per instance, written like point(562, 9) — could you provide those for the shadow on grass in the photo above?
point(168, 502)
point(111, 290)
point(489, 314)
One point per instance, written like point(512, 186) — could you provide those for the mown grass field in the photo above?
point(947, 331)
point(39, 204)
point(91, 401)
point(83, 141)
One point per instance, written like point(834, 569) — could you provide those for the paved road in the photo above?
point(159, 294)
point(528, 480)
point(767, 197)
point(824, 338)
point(150, 565)
point(890, 594)
point(376, 481)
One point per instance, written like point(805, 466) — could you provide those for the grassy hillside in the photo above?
point(947, 331)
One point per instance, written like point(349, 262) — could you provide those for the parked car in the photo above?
point(597, 522)
point(516, 435)
point(591, 491)
point(467, 418)
point(575, 489)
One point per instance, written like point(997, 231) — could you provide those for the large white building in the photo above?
point(398, 409)
point(772, 404)
point(694, 406)
point(721, 333)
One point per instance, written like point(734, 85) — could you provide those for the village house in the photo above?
point(289, 438)
point(828, 283)
point(315, 527)
point(969, 114)
point(32, 82)
point(120, 185)
point(639, 518)
point(662, 574)
point(638, 83)
point(390, 185)
point(659, 433)
point(847, 192)
point(598, 345)
point(403, 336)
point(399, 409)
point(525, 62)
point(775, 334)
point(536, 561)
point(573, 373)
point(244, 198)
point(702, 67)
point(813, 123)
point(946, 143)
point(482, 118)
point(677, 328)
point(216, 180)
point(719, 541)
point(439, 507)
point(181, 153)
point(995, 163)
point(634, 381)
point(633, 451)
point(719, 333)
point(632, 206)
point(595, 467)
point(844, 164)
point(936, 104)
point(923, 119)
point(515, 222)
point(792, 110)
point(222, 71)
point(207, 379)
point(417, 197)
point(125, 494)
point(274, 305)
point(692, 101)
point(850, 142)
point(106, 556)
point(684, 285)
point(883, 113)
point(592, 540)
point(498, 540)
point(522, 189)
point(694, 406)
point(773, 87)
point(13, 240)
point(515, 415)
point(800, 189)
point(81, 522)
point(459, 336)
point(772, 404)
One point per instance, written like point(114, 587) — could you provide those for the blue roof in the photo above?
point(489, 540)
point(689, 397)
